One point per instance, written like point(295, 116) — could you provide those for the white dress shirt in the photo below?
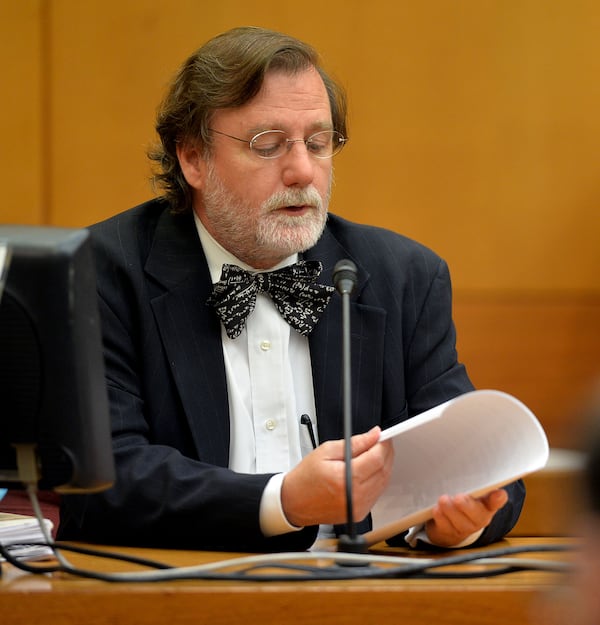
point(269, 385)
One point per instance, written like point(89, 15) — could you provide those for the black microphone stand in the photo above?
point(344, 278)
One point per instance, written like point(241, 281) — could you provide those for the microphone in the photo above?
point(344, 279)
point(344, 276)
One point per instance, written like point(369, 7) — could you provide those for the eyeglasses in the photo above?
point(275, 143)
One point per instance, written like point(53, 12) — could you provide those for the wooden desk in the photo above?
point(27, 599)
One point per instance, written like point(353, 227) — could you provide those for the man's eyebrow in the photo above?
point(315, 127)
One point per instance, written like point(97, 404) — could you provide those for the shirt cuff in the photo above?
point(417, 532)
point(272, 519)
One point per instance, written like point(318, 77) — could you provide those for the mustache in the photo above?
point(294, 197)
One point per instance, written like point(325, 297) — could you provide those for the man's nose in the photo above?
point(298, 165)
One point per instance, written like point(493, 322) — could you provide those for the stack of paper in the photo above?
point(22, 530)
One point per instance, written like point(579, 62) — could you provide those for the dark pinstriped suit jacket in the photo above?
point(167, 386)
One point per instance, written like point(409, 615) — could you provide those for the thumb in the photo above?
point(495, 500)
point(364, 442)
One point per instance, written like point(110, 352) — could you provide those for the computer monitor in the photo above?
point(54, 418)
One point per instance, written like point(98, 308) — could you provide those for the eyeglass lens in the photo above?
point(274, 143)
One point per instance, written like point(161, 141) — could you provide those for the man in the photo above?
point(210, 448)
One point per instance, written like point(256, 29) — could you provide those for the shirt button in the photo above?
point(265, 345)
point(270, 424)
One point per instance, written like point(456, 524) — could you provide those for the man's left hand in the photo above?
point(456, 518)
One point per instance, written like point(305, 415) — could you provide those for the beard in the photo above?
point(263, 237)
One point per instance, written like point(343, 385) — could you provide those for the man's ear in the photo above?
point(192, 164)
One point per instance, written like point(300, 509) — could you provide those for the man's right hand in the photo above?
point(313, 492)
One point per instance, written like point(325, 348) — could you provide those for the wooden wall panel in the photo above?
point(21, 113)
point(488, 137)
point(544, 349)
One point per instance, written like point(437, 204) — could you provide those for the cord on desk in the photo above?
point(249, 567)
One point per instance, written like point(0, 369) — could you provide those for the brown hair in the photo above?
point(226, 72)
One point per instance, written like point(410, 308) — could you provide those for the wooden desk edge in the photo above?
point(64, 601)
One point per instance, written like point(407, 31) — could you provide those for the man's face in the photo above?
point(265, 210)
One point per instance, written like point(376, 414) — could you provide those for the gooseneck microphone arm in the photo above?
point(344, 280)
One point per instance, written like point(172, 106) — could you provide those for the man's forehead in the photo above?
point(301, 95)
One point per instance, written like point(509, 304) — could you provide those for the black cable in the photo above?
point(416, 570)
point(22, 564)
point(110, 555)
point(495, 572)
point(5, 552)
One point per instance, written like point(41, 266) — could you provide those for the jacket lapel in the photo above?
point(366, 347)
point(190, 333)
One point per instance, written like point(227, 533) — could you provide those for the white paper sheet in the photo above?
point(473, 444)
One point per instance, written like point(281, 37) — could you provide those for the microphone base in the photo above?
point(352, 544)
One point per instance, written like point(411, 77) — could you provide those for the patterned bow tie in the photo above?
point(293, 289)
